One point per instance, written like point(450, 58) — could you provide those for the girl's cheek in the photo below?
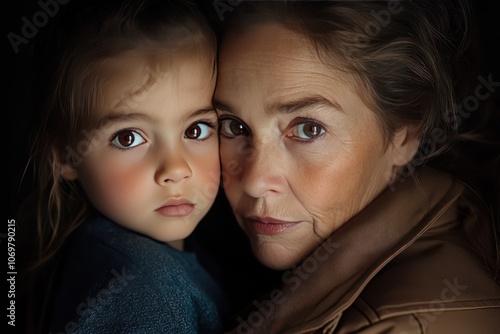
point(126, 182)
point(119, 184)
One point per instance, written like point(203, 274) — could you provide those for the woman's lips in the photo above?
point(176, 208)
point(270, 226)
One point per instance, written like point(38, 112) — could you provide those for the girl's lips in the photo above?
point(270, 226)
point(176, 207)
point(176, 210)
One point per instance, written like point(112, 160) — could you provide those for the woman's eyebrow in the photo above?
point(222, 107)
point(307, 102)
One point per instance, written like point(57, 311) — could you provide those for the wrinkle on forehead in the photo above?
point(278, 45)
point(282, 62)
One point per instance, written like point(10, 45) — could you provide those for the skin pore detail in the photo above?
point(297, 142)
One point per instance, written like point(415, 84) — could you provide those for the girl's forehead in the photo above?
point(138, 67)
point(132, 74)
point(134, 81)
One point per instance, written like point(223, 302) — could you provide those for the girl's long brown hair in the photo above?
point(69, 83)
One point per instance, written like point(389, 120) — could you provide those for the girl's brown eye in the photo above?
point(193, 132)
point(128, 139)
point(198, 131)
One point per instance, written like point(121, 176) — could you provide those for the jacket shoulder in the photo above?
point(437, 285)
point(362, 320)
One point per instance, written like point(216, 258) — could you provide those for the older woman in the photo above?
point(327, 112)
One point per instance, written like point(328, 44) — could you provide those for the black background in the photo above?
point(225, 239)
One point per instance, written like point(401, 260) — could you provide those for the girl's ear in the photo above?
point(66, 165)
point(405, 144)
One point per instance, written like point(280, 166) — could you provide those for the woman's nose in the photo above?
point(263, 174)
point(172, 168)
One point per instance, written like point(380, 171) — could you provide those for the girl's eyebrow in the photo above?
point(114, 118)
point(117, 118)
point(203, 111)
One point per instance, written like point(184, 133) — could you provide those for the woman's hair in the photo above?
point(70, 80)
point(399, 55)
point(412, 62)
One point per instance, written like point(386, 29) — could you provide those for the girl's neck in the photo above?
point(177, 244)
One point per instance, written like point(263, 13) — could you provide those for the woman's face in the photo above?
point(301, 153)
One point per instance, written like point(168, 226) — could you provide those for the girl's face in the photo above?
point(152, 163)
point(301, 153)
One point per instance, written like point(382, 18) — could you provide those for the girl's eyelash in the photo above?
point(113, 136)
point(208, 122)
point(121, 130)
point(120, 148)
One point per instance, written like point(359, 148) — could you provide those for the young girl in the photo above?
point(127, 163)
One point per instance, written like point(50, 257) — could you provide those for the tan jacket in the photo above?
point(413, 261)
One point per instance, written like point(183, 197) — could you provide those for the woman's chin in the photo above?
point(275, 256)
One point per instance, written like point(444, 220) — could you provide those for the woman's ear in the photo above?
point(66, 165)
point(405, 143)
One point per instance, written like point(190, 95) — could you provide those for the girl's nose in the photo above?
point(174, 168)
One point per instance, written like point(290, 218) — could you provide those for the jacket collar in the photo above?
point(354, 254)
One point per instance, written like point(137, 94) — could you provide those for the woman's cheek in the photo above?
point(205, 158)
point(232, 164)
point(330, 190)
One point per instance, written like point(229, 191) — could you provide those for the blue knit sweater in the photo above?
point(118, 281)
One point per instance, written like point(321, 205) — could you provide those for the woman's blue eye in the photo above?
point(230, 128)
point(127, 139)
point(308, 130)
point(198, 131)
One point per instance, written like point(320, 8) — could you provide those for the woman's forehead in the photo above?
point(278, 63)
point(273, 50)
point(269, 42)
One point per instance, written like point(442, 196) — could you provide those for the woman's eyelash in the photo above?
point(224, 117)
point(301, 120)
point(230, 117)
